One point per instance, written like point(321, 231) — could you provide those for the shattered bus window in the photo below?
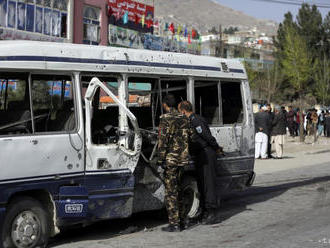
point(144, 103)
point(177, 87)
point(140, 100)
point(207, 101)
point(232, 105)
point(53, 104)
point(15, 115)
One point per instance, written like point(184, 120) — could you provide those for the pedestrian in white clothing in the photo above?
point(261, 144)
point(262, 124)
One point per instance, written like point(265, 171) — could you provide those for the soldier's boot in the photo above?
point(210, 217)
point(171, 228)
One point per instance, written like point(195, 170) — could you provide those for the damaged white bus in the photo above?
point(78, 132)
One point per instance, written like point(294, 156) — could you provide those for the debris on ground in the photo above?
point(130, 229)
point(148, 229)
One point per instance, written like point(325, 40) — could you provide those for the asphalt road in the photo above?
point(286, 208)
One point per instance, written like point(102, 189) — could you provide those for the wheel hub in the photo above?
point(25, 229)
point(28, 230)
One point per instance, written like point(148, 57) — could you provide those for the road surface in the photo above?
point(288, 206)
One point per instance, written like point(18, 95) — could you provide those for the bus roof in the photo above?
point(36, 55)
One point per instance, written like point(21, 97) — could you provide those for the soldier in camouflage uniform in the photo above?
point(173, 155)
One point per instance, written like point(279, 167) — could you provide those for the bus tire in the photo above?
point(191, 197)
point(26, 224)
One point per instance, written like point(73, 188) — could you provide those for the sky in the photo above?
point(270, 11)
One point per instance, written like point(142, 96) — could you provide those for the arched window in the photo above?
point(91, 25)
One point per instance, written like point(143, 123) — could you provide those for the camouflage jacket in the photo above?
point(173, 138)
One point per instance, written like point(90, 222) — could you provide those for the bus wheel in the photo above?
point(26, 224)
point(191, 197)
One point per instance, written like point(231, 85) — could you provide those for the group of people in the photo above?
point(271, 127)
point(181, 132)
point(314, 122)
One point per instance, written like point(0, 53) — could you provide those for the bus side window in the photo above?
point(141, 101)
point(178, 88)
point(207, 101)
point(53, 103)
point(232, 102)
point(15, 115)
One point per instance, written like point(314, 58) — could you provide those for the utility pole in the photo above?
point(220, 41)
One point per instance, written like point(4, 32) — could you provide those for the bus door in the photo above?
point(113, 146)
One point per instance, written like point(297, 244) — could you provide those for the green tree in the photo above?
point(310, 27)
point(214, 30)
point(326, 35)
point(274, 78)
point(265, 82)
point(252, 74)
point(297, 65)
point(315, 34)
point(280, 38)
point(230, 30)
point(322, 78)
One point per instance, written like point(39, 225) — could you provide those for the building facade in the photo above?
point(122, 23)
point(90, 22)
point(44, 20)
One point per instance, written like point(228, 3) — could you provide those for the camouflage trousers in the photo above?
point(173, 193)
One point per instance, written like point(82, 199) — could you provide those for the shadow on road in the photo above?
point(317, 152)
point(146, 221)
point(237, 202)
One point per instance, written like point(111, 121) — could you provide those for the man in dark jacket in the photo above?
point(278, 131)
point(262, 121)
point(206, 149)
point(271, 117)
point(290, 120)
point(327, 124)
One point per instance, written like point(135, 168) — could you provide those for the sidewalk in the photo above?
point(297, 155)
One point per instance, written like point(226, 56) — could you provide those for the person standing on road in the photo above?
point(320, 125)
point(314, 121)
point(271, 117)
point(290, 121)
point(300, 122)
point(278, 131)
point(308, 122)
point(206, 148)
point(173, 155)
point(327, 124)
point(262, 124)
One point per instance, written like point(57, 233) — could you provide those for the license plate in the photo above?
point(73, 208)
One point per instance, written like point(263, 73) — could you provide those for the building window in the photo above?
point(91, 25)
point(47, 17)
